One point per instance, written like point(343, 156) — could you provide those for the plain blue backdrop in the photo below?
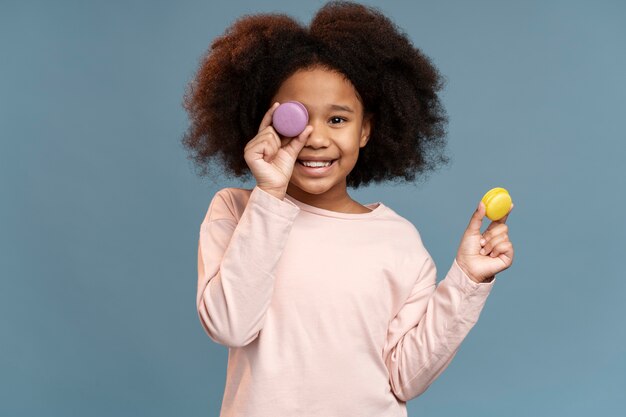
point(101, 208)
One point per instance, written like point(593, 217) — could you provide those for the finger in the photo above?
point(495, 229)
point(492, 243)
point(276, 138)
point(503, 219)
point(477, 218)
point(275, 147)
point(296, 144)
point(495, 223)
point(268, 137)
point(265, 149)
point(267, 119)
point(269, 148)
point(502, 248)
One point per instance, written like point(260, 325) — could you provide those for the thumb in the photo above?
point(297, 143)
point(477, 218)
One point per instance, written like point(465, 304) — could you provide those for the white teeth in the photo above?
point(315, 163)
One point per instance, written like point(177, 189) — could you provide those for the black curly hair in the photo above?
point(396, 83)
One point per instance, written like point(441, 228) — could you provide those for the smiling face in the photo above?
point(339, 131)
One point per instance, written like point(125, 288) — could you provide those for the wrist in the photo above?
point(488, 279)
point(472, 277)
point(279, 194)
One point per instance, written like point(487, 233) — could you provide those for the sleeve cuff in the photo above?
point(466, 284)
point(283, 208)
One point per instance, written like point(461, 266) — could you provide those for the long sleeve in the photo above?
point(236, 259)
point(428, 330)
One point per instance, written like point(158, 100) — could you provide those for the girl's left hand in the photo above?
point(481, 257)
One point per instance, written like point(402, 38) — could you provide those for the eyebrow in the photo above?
point(340, 107)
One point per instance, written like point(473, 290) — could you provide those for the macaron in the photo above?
point(290, 118)
point(497, 202)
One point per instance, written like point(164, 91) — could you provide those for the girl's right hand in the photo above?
point(271, 159)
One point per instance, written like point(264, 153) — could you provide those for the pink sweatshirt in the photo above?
point(325, 314)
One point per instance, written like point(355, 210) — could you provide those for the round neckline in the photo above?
point(376, 209)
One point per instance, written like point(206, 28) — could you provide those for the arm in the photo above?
point(236, 260)
point(428, 330)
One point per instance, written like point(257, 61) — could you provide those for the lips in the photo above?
point(316, 171)
point(316, 160)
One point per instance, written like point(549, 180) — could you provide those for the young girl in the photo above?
point(328, 307)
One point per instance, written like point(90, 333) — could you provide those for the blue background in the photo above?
point(101, 209)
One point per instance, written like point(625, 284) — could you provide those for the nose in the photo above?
point(318, 138)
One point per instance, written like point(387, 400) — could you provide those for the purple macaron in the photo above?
point(290, 118)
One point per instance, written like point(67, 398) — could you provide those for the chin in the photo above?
point(317, 188)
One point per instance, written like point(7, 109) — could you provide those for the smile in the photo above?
point(316, 170)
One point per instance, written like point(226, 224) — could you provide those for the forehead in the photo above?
point(317, 88)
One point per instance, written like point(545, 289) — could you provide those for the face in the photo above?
point(339, 131)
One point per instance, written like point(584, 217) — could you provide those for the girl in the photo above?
point(328, 307)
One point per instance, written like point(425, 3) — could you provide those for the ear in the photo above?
point(366, 128)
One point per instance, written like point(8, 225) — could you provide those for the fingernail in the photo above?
point(482, 241)
point(482, 251)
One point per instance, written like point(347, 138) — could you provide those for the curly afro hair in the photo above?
point(396, 83)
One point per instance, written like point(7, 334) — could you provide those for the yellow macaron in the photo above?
point(497, 202)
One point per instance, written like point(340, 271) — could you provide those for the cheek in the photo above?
point(350, 155)
point(346, 163)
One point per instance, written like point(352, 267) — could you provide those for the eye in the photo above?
point(338, 118)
